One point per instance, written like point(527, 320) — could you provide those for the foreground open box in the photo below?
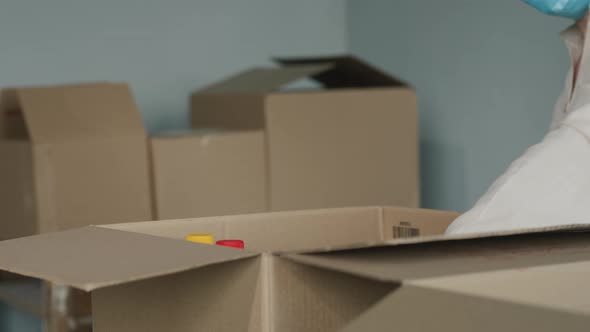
point(145, 277)
point(318, 270)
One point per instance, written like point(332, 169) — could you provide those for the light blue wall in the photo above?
point(487, 74)
point(165, 49)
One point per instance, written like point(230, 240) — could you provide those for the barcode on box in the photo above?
point(405, 230)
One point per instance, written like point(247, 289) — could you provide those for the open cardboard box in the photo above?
point(352, 142)
point(146, 277)
point(318, 271)
point(71, 155)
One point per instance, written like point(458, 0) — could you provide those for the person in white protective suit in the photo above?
point(550, 184)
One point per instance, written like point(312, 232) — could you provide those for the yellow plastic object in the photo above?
point(201, 238)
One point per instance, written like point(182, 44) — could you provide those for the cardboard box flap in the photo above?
point(99, 110)
point(416, 240)
point(92, 257)
point(438, 257)
point(415, 309)
point(259, 80)
point(346, 72)
point(559, 286)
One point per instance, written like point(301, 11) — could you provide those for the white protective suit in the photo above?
point(550, 184)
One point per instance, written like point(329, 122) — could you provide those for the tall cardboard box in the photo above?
point(150, 279)
point(71, 156)
point(352, 143)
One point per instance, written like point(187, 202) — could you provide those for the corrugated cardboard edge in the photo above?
point(447, 238)
point(307, 258)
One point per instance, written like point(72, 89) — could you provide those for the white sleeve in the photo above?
point(549, 185)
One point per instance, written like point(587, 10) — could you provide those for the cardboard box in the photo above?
point(199, 174)
point(71, 156)
point(353, 143)
point(148, 278)
point(521, 282)
point(318, 271)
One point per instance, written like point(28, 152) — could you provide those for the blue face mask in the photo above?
point(575, 9)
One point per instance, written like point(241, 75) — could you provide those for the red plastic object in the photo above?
point(231, 243)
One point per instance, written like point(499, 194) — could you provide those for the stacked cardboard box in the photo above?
point(353, 143)
point(209, 173)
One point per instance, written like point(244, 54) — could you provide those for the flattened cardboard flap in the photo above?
point(90, 258)
point(414, 309)
point(431, 257)
point(345, 72)
point(559, 286)
point(57, 113)
point(264, 79)
point(442, 238)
